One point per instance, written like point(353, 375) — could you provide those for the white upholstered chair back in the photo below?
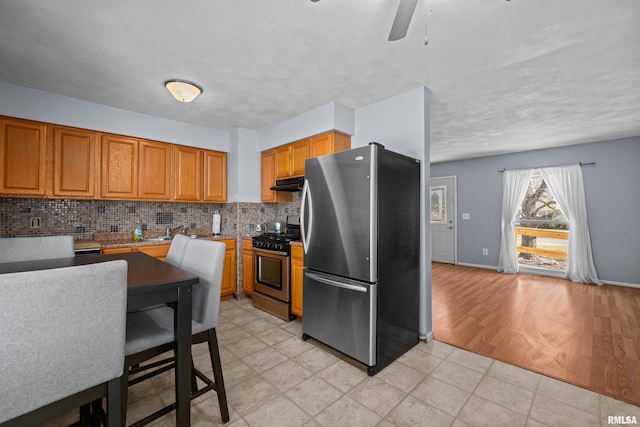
point(15, 249)
point(205, 259)
point(62, 332)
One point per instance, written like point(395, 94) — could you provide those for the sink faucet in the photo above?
point(169, 230)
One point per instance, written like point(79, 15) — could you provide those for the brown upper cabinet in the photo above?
point(268, 179)
point(215, 176)
point(290, 159)
point(48, 160)
point(188, 173)
point(200, 175)
point(328, 143)
point(76, 160)
point(154, 180)
point(22, 157)
point(119, 167)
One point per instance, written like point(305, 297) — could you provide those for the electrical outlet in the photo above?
point(465, 215)
point(485, 251)
point(35, 222)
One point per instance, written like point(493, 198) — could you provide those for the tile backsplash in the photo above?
point(82, 218)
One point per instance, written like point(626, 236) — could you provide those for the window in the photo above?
point(438, 204)
point(542, 230)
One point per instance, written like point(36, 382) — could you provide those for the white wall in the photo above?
point(247, 169)
point(25, 103)
point(328, 117)
point(397, 123)
point(401, 124)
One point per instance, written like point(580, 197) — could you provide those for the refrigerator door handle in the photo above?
point(330, 282)
point(306, 193)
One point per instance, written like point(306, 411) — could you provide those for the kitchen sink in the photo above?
point(157, 239)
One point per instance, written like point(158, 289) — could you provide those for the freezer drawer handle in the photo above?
point(336, 283)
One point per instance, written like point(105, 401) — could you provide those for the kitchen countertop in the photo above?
point(86, 244)
point(125, 239)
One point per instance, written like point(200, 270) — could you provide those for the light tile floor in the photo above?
point(274, 378)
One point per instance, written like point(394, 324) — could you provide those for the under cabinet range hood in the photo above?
point(289, 184)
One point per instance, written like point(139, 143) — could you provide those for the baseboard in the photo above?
point(605, 281)
point(428, 337)
point(542, 272)
point(629, 285)
point(487, 267)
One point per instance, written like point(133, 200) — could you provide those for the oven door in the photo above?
point(271, 269)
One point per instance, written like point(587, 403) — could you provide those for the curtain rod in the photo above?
point(538, 167)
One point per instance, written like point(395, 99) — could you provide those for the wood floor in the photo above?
point(586, 335)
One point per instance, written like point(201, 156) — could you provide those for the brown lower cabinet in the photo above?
point(159, 251)
point(247, 267)
point(297, 278)
point(228, 286)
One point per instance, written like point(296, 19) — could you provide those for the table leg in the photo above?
point(182, 328)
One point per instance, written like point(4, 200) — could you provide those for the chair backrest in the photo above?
point(205, 259)
point(62, 332)
point(15, 249)
point(176, 250)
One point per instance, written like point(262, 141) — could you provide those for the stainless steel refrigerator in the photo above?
point(360, 226)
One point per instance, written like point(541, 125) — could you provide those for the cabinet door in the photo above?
point(247, 268)
point(158, 251)
point(115, 251)
point(283, 161)
point(228, 287)
point(297, 278)
point(154, 178)
point(22, 157)
point(188, 173)
point(299, 153)
point(268, 179)
point(75, 162)
point(119, 165)
point(215, 176)
point(328, 143)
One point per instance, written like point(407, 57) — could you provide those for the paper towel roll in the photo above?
point(215, 228)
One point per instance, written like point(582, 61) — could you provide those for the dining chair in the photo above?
point(150, 332)
point(63, 341)
point(15, 249)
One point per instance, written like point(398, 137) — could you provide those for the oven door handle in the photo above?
point(306, 235)
point(267, 252)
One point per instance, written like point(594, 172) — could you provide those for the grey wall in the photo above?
point(612, 192)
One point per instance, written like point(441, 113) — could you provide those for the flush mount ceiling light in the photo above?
point(183, 90)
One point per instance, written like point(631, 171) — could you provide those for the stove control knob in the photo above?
point(267, 245)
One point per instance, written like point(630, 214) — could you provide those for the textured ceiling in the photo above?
point(504, 76)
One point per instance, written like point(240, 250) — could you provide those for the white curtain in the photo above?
point(567, 186)
point(515, 183)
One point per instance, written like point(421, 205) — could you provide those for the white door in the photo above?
point(442, 200)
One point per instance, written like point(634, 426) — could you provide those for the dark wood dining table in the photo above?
point(149, 282)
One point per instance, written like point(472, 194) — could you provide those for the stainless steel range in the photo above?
point(272, 268)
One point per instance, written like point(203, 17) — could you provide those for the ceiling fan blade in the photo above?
point(402, 20)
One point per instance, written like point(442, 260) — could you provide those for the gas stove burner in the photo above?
point(282, 236)
point(274, 242)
